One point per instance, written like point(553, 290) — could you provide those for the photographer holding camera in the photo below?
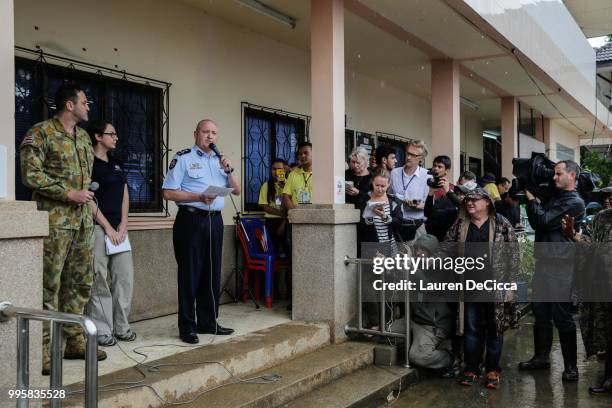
point(440, 209)
point(553, 276)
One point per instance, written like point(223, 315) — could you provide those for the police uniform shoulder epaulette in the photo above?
point(178, 154)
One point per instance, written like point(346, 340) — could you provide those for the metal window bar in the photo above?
point(274, 116)
point(382, 332)
point(58, 319)
point(161, 142)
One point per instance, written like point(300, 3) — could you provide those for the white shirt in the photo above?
point(411, 187)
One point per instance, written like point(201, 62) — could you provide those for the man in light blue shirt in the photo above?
point(409, 184)
point(198, 230)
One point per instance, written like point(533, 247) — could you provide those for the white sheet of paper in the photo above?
point(218, 191)
point(112, 249)
point(368, 212)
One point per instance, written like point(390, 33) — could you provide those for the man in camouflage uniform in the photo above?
point(56, 163)
point(595, 281)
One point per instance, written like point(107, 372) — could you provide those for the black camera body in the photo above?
point(433, 182)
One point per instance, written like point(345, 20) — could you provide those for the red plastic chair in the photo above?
point(258, 255)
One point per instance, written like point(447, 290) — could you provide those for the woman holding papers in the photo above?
point(111, 293)
point(378, 222)
point(378, 214)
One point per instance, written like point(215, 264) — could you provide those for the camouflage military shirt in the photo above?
point(54, 162)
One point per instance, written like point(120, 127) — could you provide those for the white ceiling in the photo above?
point(380, 55)
point(593, 16)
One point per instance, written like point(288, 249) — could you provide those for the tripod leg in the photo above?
point(224, 289)
point(248, 289)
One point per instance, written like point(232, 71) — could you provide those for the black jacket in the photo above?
point(554, 263)
point(363, 184)
point(441, 214)
point(545, 218)
point(512, 212)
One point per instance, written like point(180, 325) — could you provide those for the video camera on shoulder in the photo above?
point(536, 175)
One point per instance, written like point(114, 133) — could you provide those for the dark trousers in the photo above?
point(198, 241)
point(559, 313)
point(480, 330)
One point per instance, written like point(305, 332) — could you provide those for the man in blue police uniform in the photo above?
point(197, 234)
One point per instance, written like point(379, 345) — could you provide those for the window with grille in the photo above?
point(136, 110)
point(267, 134)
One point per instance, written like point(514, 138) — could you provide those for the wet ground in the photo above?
point(541, 389)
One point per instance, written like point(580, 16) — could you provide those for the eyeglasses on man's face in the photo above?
point(111, 134)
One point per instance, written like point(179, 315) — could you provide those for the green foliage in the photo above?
point(598, 164)
point(527, 259)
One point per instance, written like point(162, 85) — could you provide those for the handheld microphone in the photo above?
point(94, 186)
point(213, 147)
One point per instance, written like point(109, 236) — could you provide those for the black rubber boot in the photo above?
point(542, 343)
point(606, 385)
point(569, 350)
point(604, 388)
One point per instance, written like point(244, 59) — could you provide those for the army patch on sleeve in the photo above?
point(172, 164)
point(28, 141)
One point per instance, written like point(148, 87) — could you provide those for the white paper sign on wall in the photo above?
point(339, 190)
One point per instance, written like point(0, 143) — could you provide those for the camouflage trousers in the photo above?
point(67, 274)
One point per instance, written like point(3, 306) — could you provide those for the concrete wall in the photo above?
point(471, 137)
point(213, 66)
point(373, 106)
point(204, 58)
point(22, 229)
point(559, 133)
point(155, 284)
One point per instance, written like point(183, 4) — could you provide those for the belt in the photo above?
point(198, 211)
point(412, 223)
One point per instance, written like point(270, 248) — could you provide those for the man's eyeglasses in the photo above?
point(416, 156)
point(111, 134)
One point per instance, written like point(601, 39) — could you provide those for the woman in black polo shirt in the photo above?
point(111, 293)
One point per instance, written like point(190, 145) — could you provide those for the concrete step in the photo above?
point(297, 377)
point(242, 356)
point(372, 386)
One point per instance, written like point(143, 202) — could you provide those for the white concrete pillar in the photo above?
point(324, 289)
point(7, 101)
point(327, 98)
point(509, 134)
point(445, 112)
